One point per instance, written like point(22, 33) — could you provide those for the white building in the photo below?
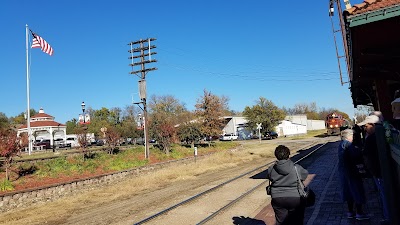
point(233, 123)
point(237, 125)
point(316, 125)
point(311, 124)
point(298, 119)
point(288, 128)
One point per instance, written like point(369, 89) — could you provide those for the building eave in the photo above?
point(373, 16)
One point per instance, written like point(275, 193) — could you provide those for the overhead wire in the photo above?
point(310, 75)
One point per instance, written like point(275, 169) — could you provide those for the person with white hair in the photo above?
point(352, 189)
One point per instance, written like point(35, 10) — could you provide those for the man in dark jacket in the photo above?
point(285, 195)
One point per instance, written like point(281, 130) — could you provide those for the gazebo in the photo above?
point(44, 125)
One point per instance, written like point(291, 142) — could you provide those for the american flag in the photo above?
point(39, 42)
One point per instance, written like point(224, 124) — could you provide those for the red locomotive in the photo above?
point(334, 122)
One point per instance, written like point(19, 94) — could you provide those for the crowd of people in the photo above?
point(358, 157)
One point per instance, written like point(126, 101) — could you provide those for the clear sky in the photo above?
point(281, 50)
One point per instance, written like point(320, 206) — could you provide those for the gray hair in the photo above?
point(346, 134)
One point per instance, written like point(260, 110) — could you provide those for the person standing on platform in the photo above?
point(352, 189)
point(285, 195)
point(371, 158)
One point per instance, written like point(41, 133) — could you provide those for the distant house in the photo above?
point(311, 124)
point(288, 128)
point(238, 125)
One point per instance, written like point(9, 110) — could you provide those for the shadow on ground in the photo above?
point(241, 220)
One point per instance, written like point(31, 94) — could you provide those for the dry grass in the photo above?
point(245, 152)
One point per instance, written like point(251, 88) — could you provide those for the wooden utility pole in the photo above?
point(142, 49)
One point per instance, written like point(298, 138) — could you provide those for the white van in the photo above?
point(72, 140)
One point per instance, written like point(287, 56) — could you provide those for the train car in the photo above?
point(334, 123)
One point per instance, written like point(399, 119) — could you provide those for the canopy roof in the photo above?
point(373, 42)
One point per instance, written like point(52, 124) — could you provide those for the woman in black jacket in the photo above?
point(285, 195)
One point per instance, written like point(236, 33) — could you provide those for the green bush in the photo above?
point(6, 185)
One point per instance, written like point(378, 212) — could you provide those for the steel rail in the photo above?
point(213, 189)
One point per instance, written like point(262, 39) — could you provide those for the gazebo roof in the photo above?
point(42, 115)
point(43, 120)
point(44, 124)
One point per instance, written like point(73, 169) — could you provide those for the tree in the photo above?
point(209, 111)
point(324, 112)
point(362, 111)
point(165, 114)
point(81, 133)
point(112, 137)
point(4, 122)
point(71, 126)
point(9, 147)
point(264, 112)
point(129, 123)
point(190, 132)
point(310, 110)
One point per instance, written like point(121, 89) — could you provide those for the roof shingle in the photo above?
point(371, 5)
point(44, 124)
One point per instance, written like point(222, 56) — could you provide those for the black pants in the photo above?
point(288, 210)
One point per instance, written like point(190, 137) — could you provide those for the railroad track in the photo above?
point(241, 184)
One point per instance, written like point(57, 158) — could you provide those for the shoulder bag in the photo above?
point(268, 188)
point(306, 194)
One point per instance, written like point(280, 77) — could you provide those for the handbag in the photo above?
point(268, 189)
point(306, 194)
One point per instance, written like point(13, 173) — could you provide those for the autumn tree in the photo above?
point(309, 109)
point(112, 138)
point(325, 111)
point(264, 112)
point(210, 111)
point(165, 114)
point(9, 147)
point(81, 133)
point(20, 118)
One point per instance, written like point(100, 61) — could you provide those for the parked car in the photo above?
point(271, 135)
point(60, 143)
point(228, 137)
point(99, 142)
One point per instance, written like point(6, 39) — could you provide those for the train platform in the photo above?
point(328, 209)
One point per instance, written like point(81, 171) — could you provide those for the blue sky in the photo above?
point(283, 51)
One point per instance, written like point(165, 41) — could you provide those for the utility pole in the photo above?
point(141, 49)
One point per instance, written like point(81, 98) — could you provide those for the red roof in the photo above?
point(44, 124)
point(41, 115)
point(371, 5)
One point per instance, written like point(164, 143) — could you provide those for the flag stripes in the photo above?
point(39, 42)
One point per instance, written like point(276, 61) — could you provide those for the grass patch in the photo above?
point(310, 134)
point(6, 185)
point(129, 158)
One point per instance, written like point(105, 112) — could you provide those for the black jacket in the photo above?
point(371, 156)
point(284, 179)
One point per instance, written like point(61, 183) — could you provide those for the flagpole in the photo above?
point(28, 113)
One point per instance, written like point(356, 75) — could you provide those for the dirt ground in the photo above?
point(135, 198)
